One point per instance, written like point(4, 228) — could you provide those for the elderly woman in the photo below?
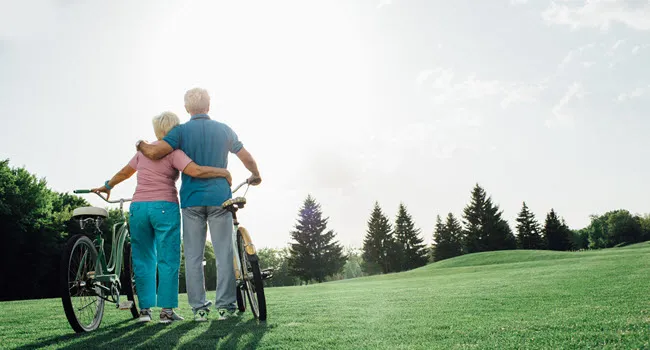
point(155, 221)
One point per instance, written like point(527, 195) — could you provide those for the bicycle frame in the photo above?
point(248, 243)
point(109, 272)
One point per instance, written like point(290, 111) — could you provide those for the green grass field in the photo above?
point(495, 300)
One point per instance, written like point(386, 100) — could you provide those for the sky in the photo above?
point(350, 101)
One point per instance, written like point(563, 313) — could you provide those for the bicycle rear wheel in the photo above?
point(128, 280)
point(253, 282)
point(83, 307)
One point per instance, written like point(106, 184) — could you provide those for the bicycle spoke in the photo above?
point(85, 306)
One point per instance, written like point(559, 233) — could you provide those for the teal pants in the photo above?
point(156, 245)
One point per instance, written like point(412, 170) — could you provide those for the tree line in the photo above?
point(398, 246)
point(36, 222)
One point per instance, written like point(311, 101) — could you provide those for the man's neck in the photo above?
point(198, 115)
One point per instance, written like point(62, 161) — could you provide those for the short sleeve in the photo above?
point(173, 137)
point(234, 145)
point(133, 163)
point(180, 160)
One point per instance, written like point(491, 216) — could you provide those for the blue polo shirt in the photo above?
point(207, 142)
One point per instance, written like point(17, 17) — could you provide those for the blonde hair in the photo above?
point(197, 101)
point(163, 123)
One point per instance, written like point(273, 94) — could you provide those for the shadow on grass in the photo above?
point(231, 334)
point(119, 336)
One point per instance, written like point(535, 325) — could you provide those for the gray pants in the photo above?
point(194, 235)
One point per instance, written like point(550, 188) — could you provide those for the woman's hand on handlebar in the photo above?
point(102, 189)
point(254, 180)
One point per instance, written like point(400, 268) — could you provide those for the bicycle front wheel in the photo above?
point(83, 307)
point(239, 276)
point(254, 284)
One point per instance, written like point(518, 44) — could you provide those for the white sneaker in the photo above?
point(169, 317)
point(145, 315)
point(201, 313)
point(225, 314)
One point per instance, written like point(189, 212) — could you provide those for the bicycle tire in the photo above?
point(254, 288)
point(127, 280)
point(79, 241)
point(259, 287)
point(241, 292)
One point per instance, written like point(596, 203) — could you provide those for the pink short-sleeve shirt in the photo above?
point(157, 178)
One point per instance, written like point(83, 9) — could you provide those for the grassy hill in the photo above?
point(494, 300)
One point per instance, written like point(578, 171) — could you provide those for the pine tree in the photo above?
point(378, 243)
point(485, 229)
point(411, 249)
point(473, 214)
point(448, 238)
point(314, 255)
point(496, 229)
point(557, 233)
point(528, 230)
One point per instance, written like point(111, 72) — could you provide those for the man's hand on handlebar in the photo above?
point(254, 180)
point(104, 190)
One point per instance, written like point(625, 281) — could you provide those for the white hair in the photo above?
point(197, 101)
point(163, 123)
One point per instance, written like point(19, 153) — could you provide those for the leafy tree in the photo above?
point(614, 228)
point(34, 220)
point(314, 253)
point(485, 229)
point(644, 222)
point(352, 268)
point(448, 238)
point(411, 246)
point(278, 259)
point(210, 267)
point(580, 239)
point(353, 264)
point(377, 243)
point(557, 234)
point(431, 253)
point(528, 230)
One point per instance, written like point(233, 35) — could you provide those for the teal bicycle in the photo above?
point(87, 279)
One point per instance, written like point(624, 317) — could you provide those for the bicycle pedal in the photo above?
point(125, 305)
point(267, 273)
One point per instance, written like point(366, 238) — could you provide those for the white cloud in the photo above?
point(383, 3)
point(599, 14)
point(448, 90)
point(523, 93)
point(571, 55)
point(518, 2)
point(614, 47)
point(637, 48)
point(423, 76)
point(561, 115)
point(588, 64)
point(617, 44)
point(638, 92)
point(567, 59)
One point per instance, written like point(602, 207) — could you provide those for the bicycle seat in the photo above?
point(234, 203)
point(90, 211)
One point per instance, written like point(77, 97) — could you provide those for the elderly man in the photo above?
point(208, 143)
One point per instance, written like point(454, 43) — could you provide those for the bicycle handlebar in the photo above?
point(121, 200)
point(239, 186)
